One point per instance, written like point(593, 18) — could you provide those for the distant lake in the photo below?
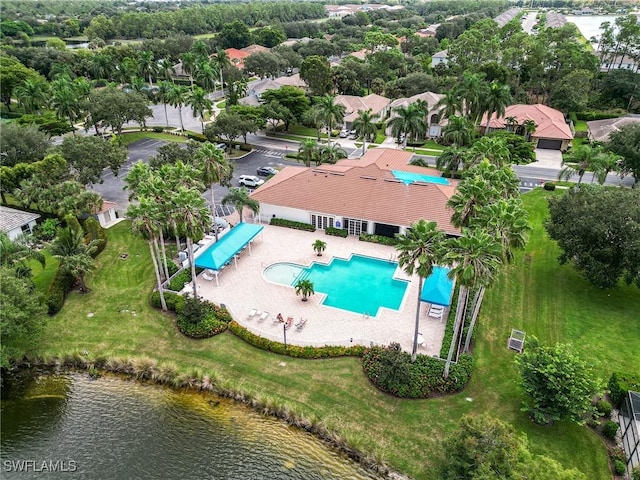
point(589, 25)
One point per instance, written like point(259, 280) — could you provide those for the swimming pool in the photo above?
point(359, 284)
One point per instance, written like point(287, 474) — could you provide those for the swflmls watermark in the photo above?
point(58, 466)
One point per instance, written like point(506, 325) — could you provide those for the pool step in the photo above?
point(301, 276)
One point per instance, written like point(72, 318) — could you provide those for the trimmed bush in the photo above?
point(198, 137)
point(549, 186)
point(381, 239)
point(174, 301)
point(46, 230)
point(281, 222)
point(336, 232)
point(294, 350)
point(619, 467)
point(588, 116)
point(58, 290)
point(619, 386)
point(198, 319)
point(158, 129)
point(94, 231)
point(635, 475)
point(390, 370)
point(172, 268)
point(177, 282)
point(604, 408)
point(610, 429)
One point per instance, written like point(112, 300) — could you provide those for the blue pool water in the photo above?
point(408, 177)
point(360, 284)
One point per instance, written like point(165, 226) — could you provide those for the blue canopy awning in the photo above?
point(224, 249)
point(437, 288)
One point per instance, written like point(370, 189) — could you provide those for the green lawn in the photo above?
point(130, 137)
point(581, 126)
point(534, 294)
point(42, 276)
point(222, 104)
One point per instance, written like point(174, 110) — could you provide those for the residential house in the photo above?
point(507, 16)
point(599, 130)
point(378, 105)
point(434, 120)
point(439, 58)
point(256, 89)
point(555, 20)
point(430, 31)
point(238, 56)
point(17, 222)
point(379, 193)
point(552, 131)
point(619, 63)
point(106, 214)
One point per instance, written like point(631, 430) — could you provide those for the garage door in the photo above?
point(549, 144)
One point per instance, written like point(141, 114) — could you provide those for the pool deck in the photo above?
point(245, 288)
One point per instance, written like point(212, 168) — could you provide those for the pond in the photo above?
point(115, 428)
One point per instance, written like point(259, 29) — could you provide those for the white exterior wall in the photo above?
point(16, 232)
point(268, 211)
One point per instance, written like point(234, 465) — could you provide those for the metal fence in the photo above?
point(629, 419)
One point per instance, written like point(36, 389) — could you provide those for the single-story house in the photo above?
point(292, 81)
point(440, 57)
point(107, 213)
point(430, 31)
point(619, 63)
point(552, 131)
point(434, 120)
point(379, 193)
point(378, 105)
point(599, 130)
point(16, 222)
point(237, 56)
point(256, 89)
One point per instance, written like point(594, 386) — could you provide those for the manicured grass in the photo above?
point(577, 141)
point(581, 126)
point(534, 294)
point(305, 131)
point(222, 104)
point(130, 137)
point(42, 276)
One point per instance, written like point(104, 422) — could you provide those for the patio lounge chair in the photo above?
point(263, 317)
point(253, 313)
point(435, 314)
point(288, 323)
point(301, 323)
point(207, 276)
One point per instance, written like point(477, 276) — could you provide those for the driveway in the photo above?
point(548, 158)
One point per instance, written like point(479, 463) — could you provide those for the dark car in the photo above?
point(266, 171)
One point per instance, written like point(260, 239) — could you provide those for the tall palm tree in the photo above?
point(308, 152)
point(472, 90)
point(496, 100)
point(450, 104)
point(458, 131)
point(32, 94)
point(240, 199)
point(578, 161)
point(451, 158)
point(235, 92)
point(206, 74)
point(474, 259)
point(215, 169)
point(365, 127)
point(14, 254)
point(511, 122)
point(199, 49)
point(188, 65)
point(408, 122)
point(330, 154)
point(65, 100)
point(223, 63)
point(164, 94)
point(101, 66)
point(332, 113)
point(494, 149)
point(199, 103)
point(606, 162)
point(529, 128)
point(177, 96)
point(419, 249)
point(146, 65)
point(74, 255)
point(313, 117)
point(165, 69)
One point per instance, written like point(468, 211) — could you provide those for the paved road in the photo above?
point(541, 174)
point(528, 21)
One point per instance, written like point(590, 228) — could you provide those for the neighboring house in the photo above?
point(378, 105)
point(434, 121)
point(599, 130)
point(379, 193)
point(360, 54)
point(552, 131)
point(555, 20)
point(507, 16)
point(629, 420)
point(256, 89)
point(16, 222)
point(619, 63)
point(290, 42)
point(340, 10)
point(292, 81)
point(107, 214)
point(430, 31)
point(237, 56)
point(439, 58)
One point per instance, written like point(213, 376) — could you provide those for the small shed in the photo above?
point(17, 222)
point(107, 214)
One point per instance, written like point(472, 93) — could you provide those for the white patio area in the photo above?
point(245, 288)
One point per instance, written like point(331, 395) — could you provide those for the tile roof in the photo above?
point(352, 104)
point(292, 81)
point(363, 188)
point(549, 122)
point(10, 218)
point(251, 49)
point(599, 130)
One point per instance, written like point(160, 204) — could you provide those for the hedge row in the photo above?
point(588, 116)
point(281, 222)
point(336, 232)
point(174, 301)
point(620, 384)
point(381, 239)
point(294, 350)
point(94, 231)
point(58, 290)
point(390, 370)
point(177, 282)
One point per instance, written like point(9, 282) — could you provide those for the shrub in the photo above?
point(619, 467)
point(172, 268)
point(198, 319)
point(94, 231)
point(381, 239)
point(294, 350)
point(336, 232)
point(158, 129)
point(549, 186)
point(588, 116)
point(58, 290)
point(177, 282)
point(46, 230)
point(390, 369)
point(635, 475)
point(198, 137)
point(619, 386)
point(610, 429)
point(174, 301)
point(604, 408)
point(281, 222)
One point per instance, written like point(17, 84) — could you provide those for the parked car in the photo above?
point(344, 133)
point(250, 181)
point(221, 146)
point(266, 171)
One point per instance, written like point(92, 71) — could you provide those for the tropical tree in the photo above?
point(65, 100)
point(177, 97)
point(309, 152)
point(578, 161)
point(32, 94)
point(606, 162)
point(313, 118)
point(365, 128)
point(472, 90)
point(529, 128)
point(188, 64)
point(240, 199)
point(451, 158)
point(14, 255)
point(458, 131)
point(304, 288)
point(496, 100)
point(319, 246)
point(165, 69)
point(235, 92)
point(450, 104)
point(74, 254)
point(330, 112)
point(493, 149)
point(199, 103)
point(222, 62)
point(419, 249)
point(215, 169)
point(331, 154)
point(164, 95)
point(206, 75)
point(511, 122)
point(147, 65)
point(408, 122)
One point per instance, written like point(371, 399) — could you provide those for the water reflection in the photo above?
point(113, 428)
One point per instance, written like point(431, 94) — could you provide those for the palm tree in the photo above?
point(146, 65)
point(472, 90)
point(408, 122)
point(215, 169)
point(308, 152)
point(529, 128)
point(206, 74)
point(496, 100)
point(239, 198)
point(606, 162)
point(164, 94)
point(304, 287)
point(458, 131)
point(74, 255)
point(512, 123)
point(494, 149)
point(331, 113)
point(313, 118)
point(319, 246)
point(578, 161)
point(419, 249)
point(365, 127)
point(65, 100)
point(450, 104)
point(176, 96)
point(451, 158)
point(14, 254)
point(235, 92)
point(474, 259)
point(188, 64)
point(32, 94)
point(199, 103)
point(199, 49)
point(223, 62)
point(330, 154)
point(165, 69)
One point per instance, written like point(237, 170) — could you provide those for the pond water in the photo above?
point(112, 428)
point(589, 25)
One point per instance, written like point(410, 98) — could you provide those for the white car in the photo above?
point(250, 181)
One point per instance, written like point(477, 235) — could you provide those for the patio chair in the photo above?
point(436, 314)
point(253, 313)
point(301, 323)
point(516, 340)
point(263, 317)
point(207, 276)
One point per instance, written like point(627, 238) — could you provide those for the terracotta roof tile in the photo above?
point(549, 121)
